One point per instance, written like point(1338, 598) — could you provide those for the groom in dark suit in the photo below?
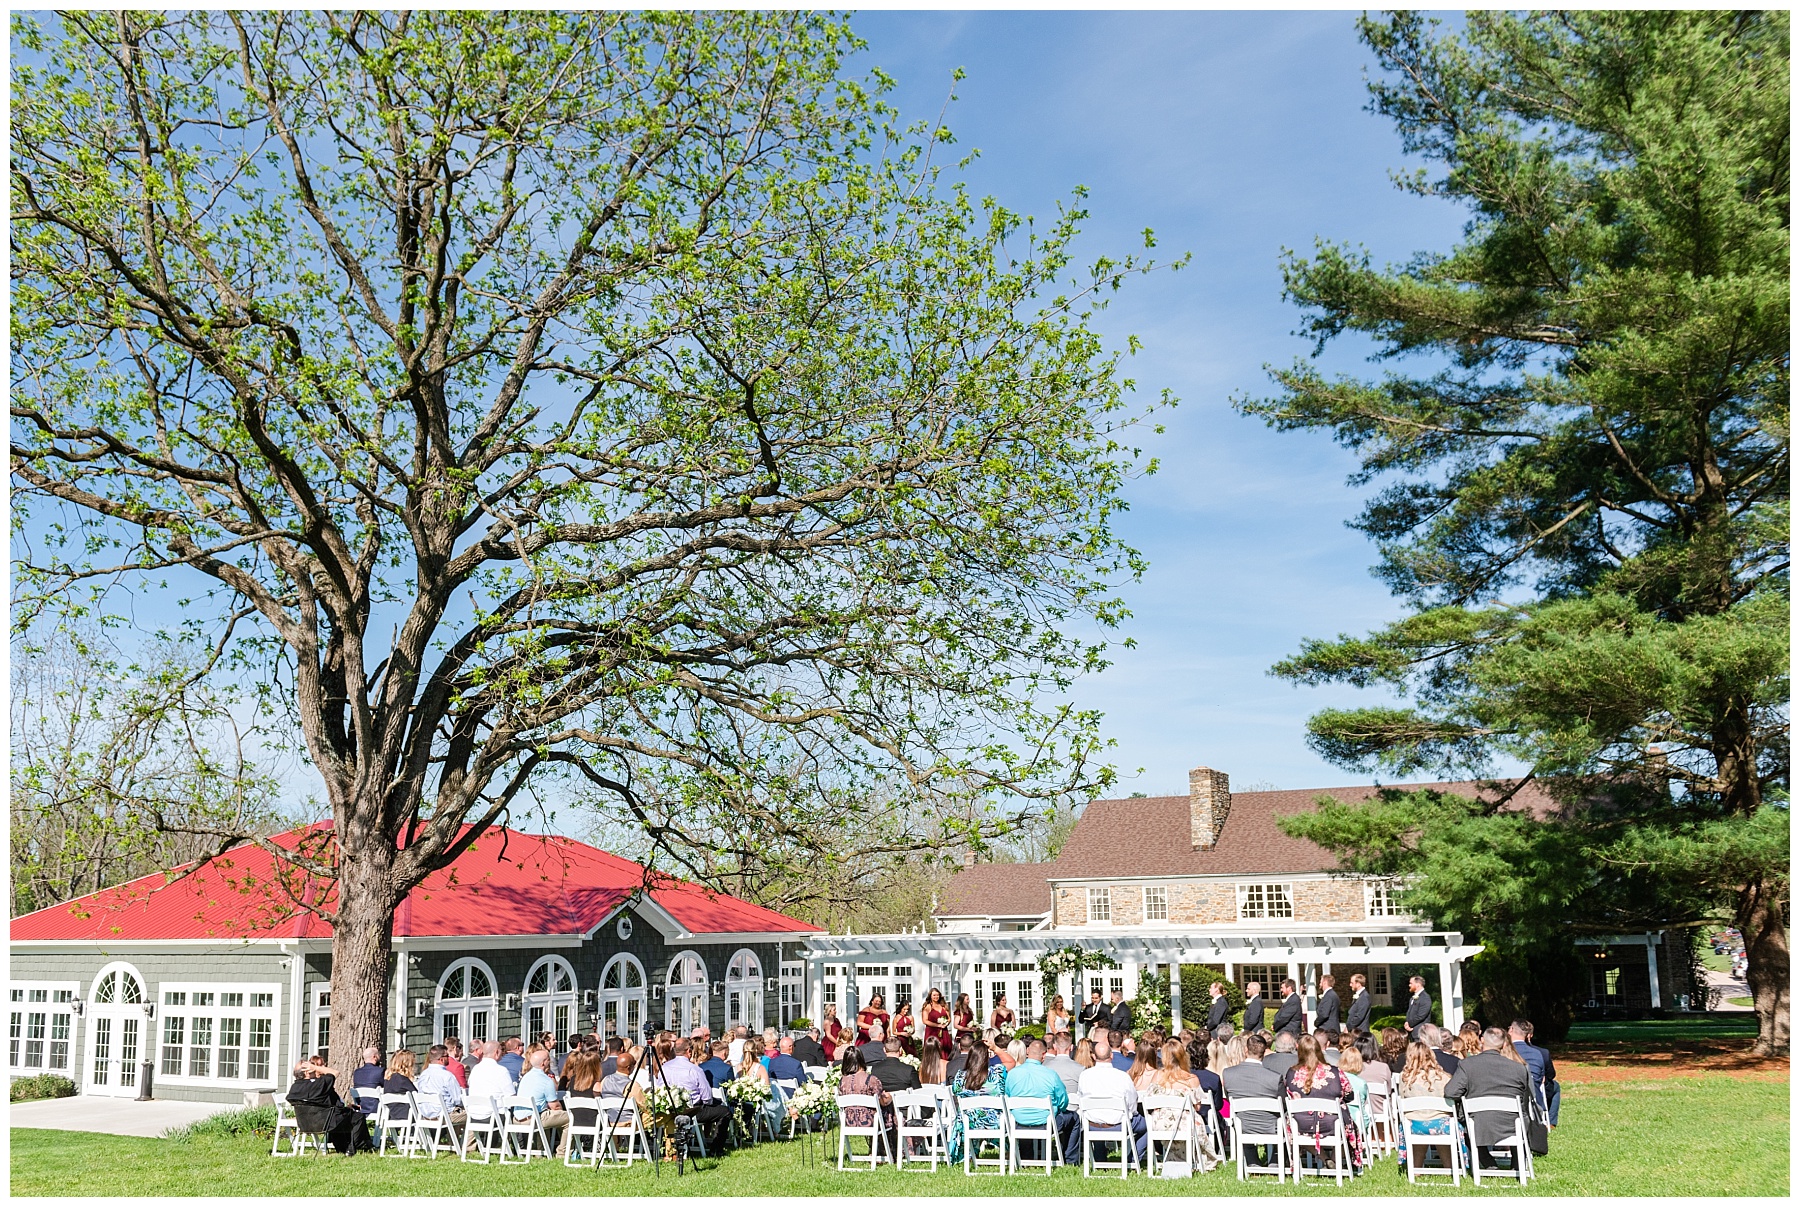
point(1253, 1007)
point(1360, 1005)
point(1325, 1018)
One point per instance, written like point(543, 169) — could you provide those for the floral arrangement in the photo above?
point(914, 1061)
point(812, 1098)
point(746, 1094)
point(1066, 960)
point(665, 1102)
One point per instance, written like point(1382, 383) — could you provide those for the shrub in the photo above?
point(1396, 1021)
point(44, 1085)
point(800, 1024)
point(244, 1121)
point(1030, 1031)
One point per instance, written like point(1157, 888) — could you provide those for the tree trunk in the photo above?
point(1759, 920)
point(361, 956)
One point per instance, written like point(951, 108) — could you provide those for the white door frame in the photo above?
point(119, 1020)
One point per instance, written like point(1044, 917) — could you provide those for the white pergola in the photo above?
point(1307, 953)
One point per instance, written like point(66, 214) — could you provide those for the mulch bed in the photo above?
point(1653, 1061)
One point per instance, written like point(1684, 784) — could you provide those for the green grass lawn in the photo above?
point(1674, 1029)
point(1710, 1135)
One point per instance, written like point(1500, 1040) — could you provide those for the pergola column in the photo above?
point(1450, 984)
point(1655, 980)
point(851, 1004)
point(1174, 996)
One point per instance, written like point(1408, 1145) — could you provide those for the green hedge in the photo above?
point(44, 1085)
point(1029, 1031)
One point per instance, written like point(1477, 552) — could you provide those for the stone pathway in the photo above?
point(115, 1116)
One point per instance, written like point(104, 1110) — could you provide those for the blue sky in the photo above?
point(1233, 135)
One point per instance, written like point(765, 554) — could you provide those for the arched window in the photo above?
point(744, 990)
point(115, 1031)
point(686, 993)
point(624, 1002)
point(465, 1002)
point(549, 999)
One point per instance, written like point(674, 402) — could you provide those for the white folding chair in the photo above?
point(1335, 1144)
point(1169, 1120)
point(1044, 1132)
point(434, 1132)
point(1105, 1121)
point(1211, 1124)
point(482, 1132)
point(395, 1117)
point(1418, 1145)
point(298, 1141)
point(584, 1128)
point(976, 1134)
point(622, 1122)
point(520, 1132)
point(1380, 1136)
point(917, 1113)
point(1517, 1144)
point(816, 1072)
point(875, 1131)
point(1243, 1139)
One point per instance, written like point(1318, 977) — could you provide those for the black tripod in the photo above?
point(654, 1074)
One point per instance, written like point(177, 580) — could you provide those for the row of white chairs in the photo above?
point(1389, 1130)
point(602, 1130)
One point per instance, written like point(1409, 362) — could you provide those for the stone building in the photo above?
point(1202, 878)
point(210, 986)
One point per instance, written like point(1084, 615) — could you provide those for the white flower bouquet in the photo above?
point(665, 1102)
point(813, 1098)
point(911, 1060)
point(746, 1094)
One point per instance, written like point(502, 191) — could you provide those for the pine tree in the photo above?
point(1587, 508)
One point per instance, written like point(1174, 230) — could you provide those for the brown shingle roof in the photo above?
point(1150, 836)
point(998, 890)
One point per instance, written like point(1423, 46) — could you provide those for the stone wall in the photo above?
point(1212, 902)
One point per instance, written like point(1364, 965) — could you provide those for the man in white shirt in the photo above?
point(488, 1079)
point(739, 1037)
point(1105, 1081)
point(436, 1080)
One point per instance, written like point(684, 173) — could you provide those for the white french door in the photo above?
point(115, 1033)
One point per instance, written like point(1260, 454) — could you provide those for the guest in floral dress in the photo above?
point(972, 1082)
point(858, 1080)
point(1312, 1080)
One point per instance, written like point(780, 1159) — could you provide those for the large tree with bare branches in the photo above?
point(615, 396)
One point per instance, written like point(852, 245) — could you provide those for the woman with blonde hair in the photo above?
point(1173, 1079)
point(1232, 1054)
point(1423, 1077)
point(1084, 1053)
point(399, 1078)
point(751, 1068)
point(1056, 1019)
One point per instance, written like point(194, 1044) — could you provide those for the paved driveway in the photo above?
point(116, 1116)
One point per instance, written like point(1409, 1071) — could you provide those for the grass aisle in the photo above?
point(1617, 1138)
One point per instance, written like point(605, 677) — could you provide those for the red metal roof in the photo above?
point(507, 883)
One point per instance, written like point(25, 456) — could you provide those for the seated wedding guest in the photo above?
point(1375, 1071)
point(1063, 1064)
point(712, 1113)
point(1284, 1053)
point(1030, 1079)
point(751, 1068)
point(1084, 1053)
point(621, 1082)
point(1246, 1076)
point(610, 1064)
point(891, 1071)
point(454, 1061)
point(734, 1054)
point(1350, 1064)
point(513, 1057)
point(1173, 1078)
point(318, 1109)
point(368, 1076)
point(1012, 1054)
point(1116, 1047)
point(1467, 1041)
point(1496, 1071)
point(1434, 1037)
point(489, 1078)
point(581, 1072)
point(784, 1065)
point(974, 1080)
point(931, 1064)
point(1423, 1077)
point(809, 1051)
point(718, 1070)
point(859, 1080)
point(1328, 1044)
point(436, 1084)
point(1312, 1080)
point(1200, 1057)
point(399, 1076)
point(1106, 1080)
point(546, 1099)
point(876, 1047)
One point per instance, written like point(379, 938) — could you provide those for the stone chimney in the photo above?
point(1209, 802)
